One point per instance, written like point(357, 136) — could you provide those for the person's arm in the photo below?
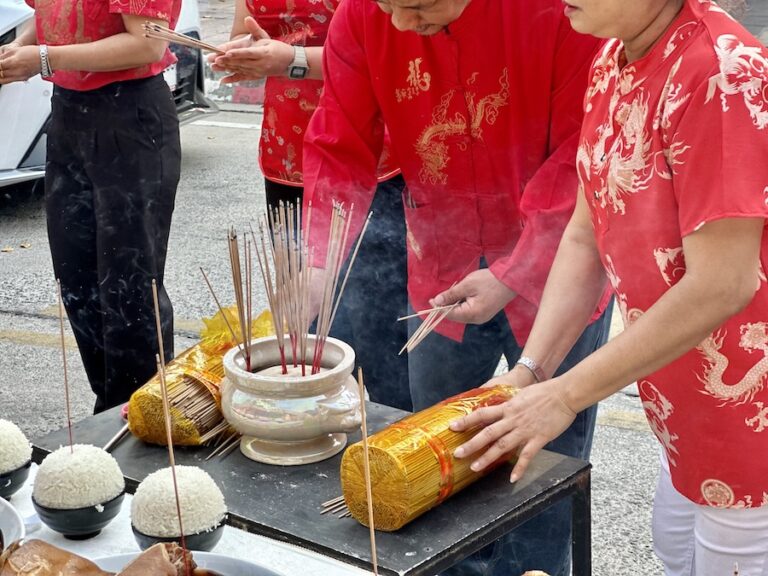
point(252, 55)
point(722, 265)
point(548, 199)
point(28, 37)
point(129, 49)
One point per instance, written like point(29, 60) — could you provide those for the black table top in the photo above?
point(283, 502)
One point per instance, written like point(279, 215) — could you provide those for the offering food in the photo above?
point(15, 458)
point(75, 477)
point(38, 558)
point(15, 449)
point(154, 514)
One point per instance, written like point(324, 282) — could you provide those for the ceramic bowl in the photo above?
point(204, 541)
point(10, 482)
point(11, 524)
point(80, 523)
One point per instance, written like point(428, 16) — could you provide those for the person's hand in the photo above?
point(481, 296)
point(254, 57)
point(517, 376)
point(535, 416)
point(19, 63)
point(9, 46)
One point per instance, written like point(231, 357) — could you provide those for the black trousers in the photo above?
point(375, 296)
point(112, 169)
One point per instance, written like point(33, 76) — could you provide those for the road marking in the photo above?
point(623, 419)
point(219, 124)
point(37, 339)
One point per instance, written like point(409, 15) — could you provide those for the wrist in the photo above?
point(298, 69)
point(533, 367)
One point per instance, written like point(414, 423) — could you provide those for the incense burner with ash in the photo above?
point(295, 417)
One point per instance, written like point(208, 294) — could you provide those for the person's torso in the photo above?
point(709, 408)
point(63, 22)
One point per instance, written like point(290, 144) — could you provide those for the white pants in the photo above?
point(695, 540)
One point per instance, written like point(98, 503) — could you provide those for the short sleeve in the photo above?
point(719, 150)
point(160, 9)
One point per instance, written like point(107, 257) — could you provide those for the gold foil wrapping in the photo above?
point(193, 380)
point(412, 463)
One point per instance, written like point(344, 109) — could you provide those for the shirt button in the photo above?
point(596, 195)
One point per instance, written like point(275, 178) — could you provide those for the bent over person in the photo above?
point(112, 168)
point(482, 100)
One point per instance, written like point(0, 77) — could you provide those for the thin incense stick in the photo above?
point(158, 32)
point(367, 468)
point(171, 458)
point(64, 361)
point(422, 312)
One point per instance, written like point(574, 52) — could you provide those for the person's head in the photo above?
point(424, 17)
point(638, 23)
point(617, 18)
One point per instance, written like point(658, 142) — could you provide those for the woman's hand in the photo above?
point(18, 63)
point(536, 415)
point(253, 57)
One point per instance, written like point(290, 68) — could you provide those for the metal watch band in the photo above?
point(300, 66)
point(45, 63)
point(535, 369)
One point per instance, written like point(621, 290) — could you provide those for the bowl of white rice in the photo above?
point(15, 458)
point(78, 490)
point(154, 517)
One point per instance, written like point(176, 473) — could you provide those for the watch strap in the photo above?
point(300, 66)
point(533, 367)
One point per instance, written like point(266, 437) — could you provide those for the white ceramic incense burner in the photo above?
point(291, 418)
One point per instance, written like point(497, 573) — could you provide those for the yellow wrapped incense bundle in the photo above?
point(193, 379)
point(412, 463)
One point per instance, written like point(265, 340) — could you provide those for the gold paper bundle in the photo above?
point(412, 463)
point(192, 379)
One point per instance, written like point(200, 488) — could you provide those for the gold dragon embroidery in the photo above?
point(431, 145)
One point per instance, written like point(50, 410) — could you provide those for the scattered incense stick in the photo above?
point(122, 433)
point(158, 32)
point(64, 361)
point(367, 469)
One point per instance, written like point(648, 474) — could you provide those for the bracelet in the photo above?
point(534, 368)
point(45, 63)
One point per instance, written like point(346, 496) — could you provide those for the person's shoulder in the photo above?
point(723, 38)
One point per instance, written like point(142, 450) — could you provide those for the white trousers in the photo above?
point(695, 540)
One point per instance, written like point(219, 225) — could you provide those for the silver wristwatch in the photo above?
point(45, 64)
point(299, 68)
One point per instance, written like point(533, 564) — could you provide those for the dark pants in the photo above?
point(113, 165)
point(441, 367)
point(376, 294)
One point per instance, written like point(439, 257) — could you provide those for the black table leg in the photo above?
point(581, 527)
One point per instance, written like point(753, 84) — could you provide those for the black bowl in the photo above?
point(10, 482)
point(80, 523)
point(202, 541)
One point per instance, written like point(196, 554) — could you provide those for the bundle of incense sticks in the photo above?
point(243, 289)
point(434, 317)
point(158, 32)
point(288, 280)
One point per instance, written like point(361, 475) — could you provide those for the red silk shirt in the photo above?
point(289, 104)
point(483, 119)
point(670, 142)
point(61, 22)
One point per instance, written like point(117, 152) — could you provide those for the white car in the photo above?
point(25, 107)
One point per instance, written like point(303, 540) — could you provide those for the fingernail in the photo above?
point(459, 452)
point(475, 466)
point(453, 425)
point(514, 478)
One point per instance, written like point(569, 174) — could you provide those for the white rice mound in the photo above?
point(15, 449)
point(83, 476)
point(153, 509)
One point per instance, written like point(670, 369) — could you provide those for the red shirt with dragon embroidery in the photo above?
point(288, 103)
point(670, 142)
point(62, 22)
point(483, 118)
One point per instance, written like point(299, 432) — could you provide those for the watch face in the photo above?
point(297, 72)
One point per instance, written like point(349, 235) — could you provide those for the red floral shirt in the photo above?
point(61, 22)
point(289, 104)
point(484, 121)
point(670, 142)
